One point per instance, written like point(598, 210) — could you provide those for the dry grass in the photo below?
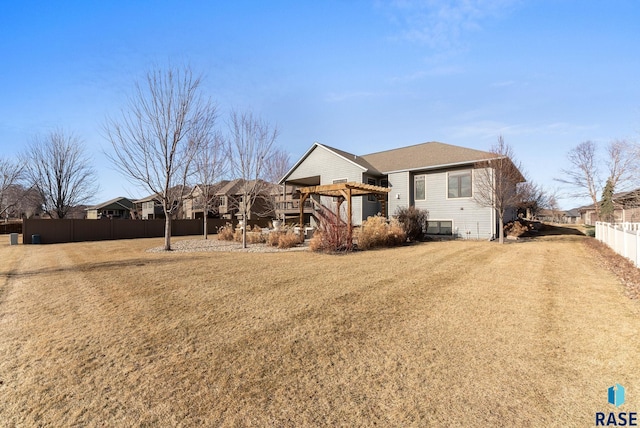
point(436, 334)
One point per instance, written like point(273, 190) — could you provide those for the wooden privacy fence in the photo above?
point(623, 238)
point(72, 230)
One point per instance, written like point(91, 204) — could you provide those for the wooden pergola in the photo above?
point(344, 192)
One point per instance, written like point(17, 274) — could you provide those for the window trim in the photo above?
point(415, 179)
point(461, 172)
point(338, 181)
point(438, 221)
point(372, 198)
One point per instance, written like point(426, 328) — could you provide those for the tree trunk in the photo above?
point(205, 226)
point(167, 232)
point(501, 226)
point(244, 229)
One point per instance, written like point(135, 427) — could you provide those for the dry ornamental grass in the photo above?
point(435, 334)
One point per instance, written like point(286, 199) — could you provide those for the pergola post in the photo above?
point(303, 198)
point(345, 191)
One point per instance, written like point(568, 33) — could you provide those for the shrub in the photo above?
point(274, 238)
point(375, 232)
point(226, 233)
point(254, 235)
point(412, 221)
point(515, 228)
point(518, 227)
point(332, 235)
point(395, 234)
point(289, 239)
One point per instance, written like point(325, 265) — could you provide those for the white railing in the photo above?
point(623, 238)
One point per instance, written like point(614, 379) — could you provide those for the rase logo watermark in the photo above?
point(615, 397)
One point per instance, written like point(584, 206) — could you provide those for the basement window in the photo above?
point(440, 227)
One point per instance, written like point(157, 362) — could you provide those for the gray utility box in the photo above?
point(13, 239)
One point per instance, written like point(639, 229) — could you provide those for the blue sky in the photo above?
point(362, 76)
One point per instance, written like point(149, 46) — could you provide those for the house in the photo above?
point(150, 207)
point(195, 202)
point(437, 177)
point(119, 207)
point(571, 216)
point(626, 208)
point(231, 199)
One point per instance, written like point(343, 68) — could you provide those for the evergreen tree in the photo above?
point(606, 206)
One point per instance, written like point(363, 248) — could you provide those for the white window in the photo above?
point(459, 184)
point(419, 188)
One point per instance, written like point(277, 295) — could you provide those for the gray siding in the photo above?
point(399, 195)
point(470, 220)
point(329, 166)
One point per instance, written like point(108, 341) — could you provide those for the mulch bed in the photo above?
point(624, 269)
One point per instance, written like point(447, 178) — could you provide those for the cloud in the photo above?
point(441, 24)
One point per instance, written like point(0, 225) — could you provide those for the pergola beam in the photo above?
point(346, 191)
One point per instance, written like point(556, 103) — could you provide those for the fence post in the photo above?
point(624, 242)
point(637, 248)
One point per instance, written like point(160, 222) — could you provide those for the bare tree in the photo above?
point(585, 173)
point(157, 136)
point(622, 163)
point(11, 173)
point(58, 167)
point(531, 198)
point(277, 165)
point(497, 180)
point(553, 205)
point(251, 143)
point(211, 164)
point(28, 201)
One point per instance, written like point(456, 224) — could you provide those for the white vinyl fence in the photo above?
point(623, 238)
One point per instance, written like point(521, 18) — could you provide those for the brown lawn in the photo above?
point(440, 334)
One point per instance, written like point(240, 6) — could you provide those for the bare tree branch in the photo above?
point(11, 174)
point(251, 142)
point(157, 136)
point(211, 164)
point(496, 181)
point(57, 166)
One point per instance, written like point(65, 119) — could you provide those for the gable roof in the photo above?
point(174, 192)
point(424, 156)
point(128, 204)
point(349, 157)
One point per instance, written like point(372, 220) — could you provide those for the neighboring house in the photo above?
point(559, 216)
point(194, 203)
point(230, 200)
point(550, 216)
point(571, 217)
point(626, 208)
point(120, 207)
point(150, 208)
point(432, 176)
